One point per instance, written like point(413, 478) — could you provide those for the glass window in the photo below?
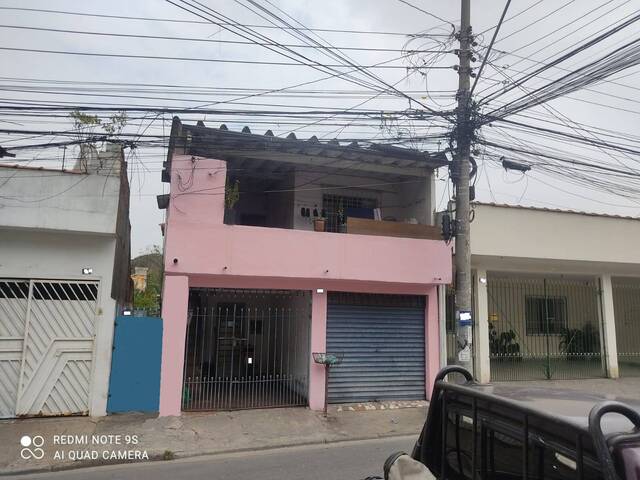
point(338, 207)
point(545, 315)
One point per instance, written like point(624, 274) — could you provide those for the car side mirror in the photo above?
point(401, 466)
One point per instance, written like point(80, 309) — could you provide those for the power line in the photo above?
point(530, 24)
point(197, 87)
point(427, 12)
point(564, 160)
point(562, 58)
point(513, 16)
point(493, 39)
point(177, 95)
point(195, 59)
point(174, 20)
point(206, 13)
point(282, 89)
point(579, 138)
point(203, 40)
point(374, 113)
point(568, 24)
point(539, 62)
point(243, 33)
point(616, 61)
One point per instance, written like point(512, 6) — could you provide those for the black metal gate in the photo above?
point(543, 328)
point(246, 349)
point(626, 303)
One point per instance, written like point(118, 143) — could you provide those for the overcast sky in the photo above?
point(537, 35)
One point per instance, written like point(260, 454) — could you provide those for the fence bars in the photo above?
point(243, 357)
point(626, 302)
point(543, 328)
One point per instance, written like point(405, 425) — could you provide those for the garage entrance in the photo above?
point(382, 338)
point(46, 346)
point(246, 349)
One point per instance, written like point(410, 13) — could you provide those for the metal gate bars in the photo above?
point(47, 330)
point(543, 328)
point(626, 301)
point(246, 349)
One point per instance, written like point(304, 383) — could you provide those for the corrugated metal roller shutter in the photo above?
point(384, 351)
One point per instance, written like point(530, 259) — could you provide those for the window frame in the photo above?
point(557, 300)
point(330, 202)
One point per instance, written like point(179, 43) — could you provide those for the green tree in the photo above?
point(149, 299)
point(84, 124)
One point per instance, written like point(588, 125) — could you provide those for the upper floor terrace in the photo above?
point(311, 185)
point(262, 206)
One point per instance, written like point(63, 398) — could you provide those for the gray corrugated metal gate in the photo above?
point(383, 341)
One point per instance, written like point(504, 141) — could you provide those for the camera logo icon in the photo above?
point(32, 447)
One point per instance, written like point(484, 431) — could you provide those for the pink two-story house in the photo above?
point(278, 248)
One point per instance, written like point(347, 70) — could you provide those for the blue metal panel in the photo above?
point(384, 352)
point(135, 366)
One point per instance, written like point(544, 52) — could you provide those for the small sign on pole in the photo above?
point(465, 336)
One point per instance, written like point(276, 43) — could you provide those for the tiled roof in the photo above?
point(556, 210)
point(223, 142)
point(40, 169)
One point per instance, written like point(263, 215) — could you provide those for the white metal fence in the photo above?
point(47, 332)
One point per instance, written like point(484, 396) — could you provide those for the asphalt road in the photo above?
point(338, 461)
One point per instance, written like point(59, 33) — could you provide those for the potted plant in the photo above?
point(342, 226)
point(503, 345)
point(319, 224)
point(231, 197)
point(578, 343)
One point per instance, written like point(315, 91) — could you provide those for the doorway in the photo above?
point(246, 349)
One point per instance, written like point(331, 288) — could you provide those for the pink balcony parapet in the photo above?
point(235, 250)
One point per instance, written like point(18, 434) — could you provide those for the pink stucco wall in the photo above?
point(432, 339)
point(199, 243)
point(318, 344)
point(175, 299)
point(236, 250)
point(200, 250)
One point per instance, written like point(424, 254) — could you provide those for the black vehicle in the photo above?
point(502, 432)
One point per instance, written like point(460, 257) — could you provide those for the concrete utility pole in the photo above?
point(464, 322)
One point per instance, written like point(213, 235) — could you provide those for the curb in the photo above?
point(180, 456)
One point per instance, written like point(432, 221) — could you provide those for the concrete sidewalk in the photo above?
point(112, 439)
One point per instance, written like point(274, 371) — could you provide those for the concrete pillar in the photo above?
point(481, 347)
point(318, 344)
point(609, 347)
point(103, 350)
point(175, 305)
point(432, 339)
point(430, 197)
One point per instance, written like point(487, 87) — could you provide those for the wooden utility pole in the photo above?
point(464, 321)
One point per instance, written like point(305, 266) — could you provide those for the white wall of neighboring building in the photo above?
point(512, 241)
point(55, 223)
point(50, 200)
point(55, 255)
point(516, 232)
